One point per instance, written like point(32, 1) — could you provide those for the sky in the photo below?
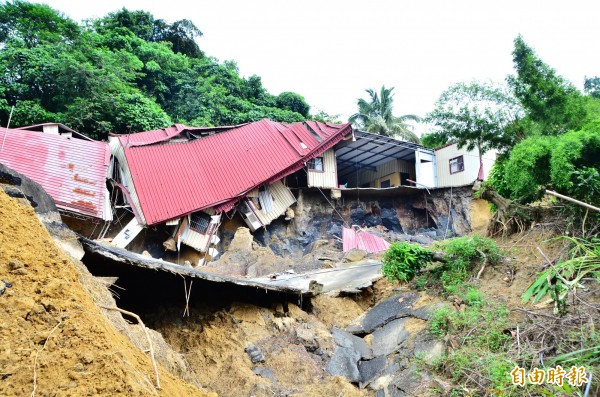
point(330, 51)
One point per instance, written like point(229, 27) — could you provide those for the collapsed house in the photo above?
point(183, 179)
point(71, 167)
point(187, 178)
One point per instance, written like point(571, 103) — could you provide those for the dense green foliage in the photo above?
point(121, 73)
point(568, 163)
point(434, 140)
point(375, 115)
point(546, 131)
point(402, 261)
point(548, 99)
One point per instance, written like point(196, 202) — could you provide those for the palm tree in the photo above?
point(376, 116)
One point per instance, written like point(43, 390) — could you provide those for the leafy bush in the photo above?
point(466, 252)
point(574, 160)
point(402, 261)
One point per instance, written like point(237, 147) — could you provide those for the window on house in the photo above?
point(199, 222)
point(315, 164)
point(385, 183)
point(457, 164)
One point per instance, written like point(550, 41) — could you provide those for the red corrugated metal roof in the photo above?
point(175, 179)
point(164, 134)
point(72, 171)
point(362, 240)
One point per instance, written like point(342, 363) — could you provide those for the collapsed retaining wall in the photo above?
point(420, 217)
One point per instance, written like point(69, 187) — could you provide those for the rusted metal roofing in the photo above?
point(175, 179)
point(360, 239)
point(72, 171)
point(164, 134)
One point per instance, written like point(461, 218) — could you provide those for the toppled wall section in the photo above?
point(314, 234)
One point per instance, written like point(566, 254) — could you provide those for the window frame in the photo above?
point(460, 160)
point(311, 164)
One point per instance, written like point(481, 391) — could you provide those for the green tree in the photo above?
point(478, 116)
point(434, 140)
point(122, 73)
point(568, 163)
point(293, 102)
point(375, 115)
point(550, 101)
point(32, 24)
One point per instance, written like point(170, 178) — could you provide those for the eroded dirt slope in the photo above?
point(47, 315)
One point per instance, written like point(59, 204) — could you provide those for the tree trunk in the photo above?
point(509, 217)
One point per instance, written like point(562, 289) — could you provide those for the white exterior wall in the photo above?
point(471, 165)
point(328, 177)
point(425, 169)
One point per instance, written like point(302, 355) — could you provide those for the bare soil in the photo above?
point(52, 331)
point(215, 345)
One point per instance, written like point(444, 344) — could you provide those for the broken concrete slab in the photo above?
point(387, 340)
point(384, 379)
point(370, 369)
point(390, 309)
point(346, 339)
point(352, 278)
point(428, 349)
point(426, 312)
point(122, 256)
point(412, 381)
point(344, 362)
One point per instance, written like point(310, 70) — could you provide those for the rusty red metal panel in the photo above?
point(362, 240)
point(175, 179)
point(72, 171)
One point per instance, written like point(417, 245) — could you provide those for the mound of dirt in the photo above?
point(53, 339)
point(295, 348)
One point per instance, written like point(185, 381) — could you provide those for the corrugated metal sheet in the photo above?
point(383, 170)
point(72, 171)
point(164, 134)
point(282, 200)
point(362, 240)
point(328, 177)
point(195, 240)
point(174, 179)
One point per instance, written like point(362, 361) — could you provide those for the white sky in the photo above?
point(330, 51)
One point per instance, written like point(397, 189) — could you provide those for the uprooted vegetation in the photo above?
point(489, 326)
